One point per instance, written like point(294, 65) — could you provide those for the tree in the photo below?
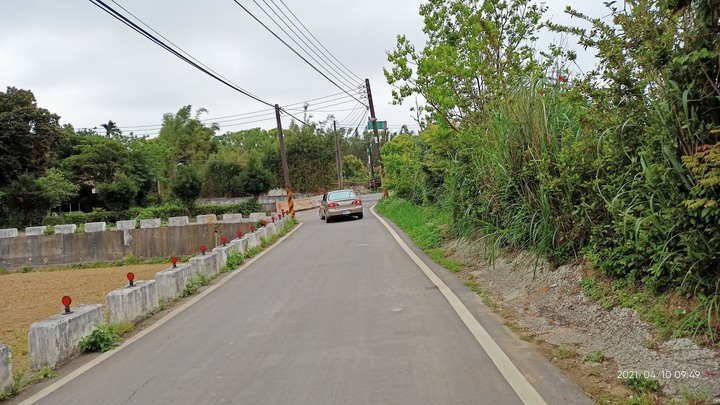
point(119, 194)
point(25, 202)
point(255, 180)
point(27, 135)
point(354, 169)
point(475, 53)
point(111, 129)
point(221, 179)
point(57, 187)
point(187, 185)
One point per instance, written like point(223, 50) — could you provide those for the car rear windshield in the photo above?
point(341, 195)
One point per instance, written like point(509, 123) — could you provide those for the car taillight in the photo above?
point(357, 202)
point(332, 205)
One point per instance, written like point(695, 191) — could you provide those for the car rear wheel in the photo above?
point(321, 215)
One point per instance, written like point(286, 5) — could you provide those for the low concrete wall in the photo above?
point(54, 340)
point(207, 264)
point(171, 282)
point(132, 303)
point(6, 375)
point(64, 249)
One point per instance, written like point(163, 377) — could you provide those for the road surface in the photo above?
point(335, 314)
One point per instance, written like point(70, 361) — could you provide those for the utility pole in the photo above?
point(370, 164)
point(373, 119)
point(283, 158)
point(338, 158)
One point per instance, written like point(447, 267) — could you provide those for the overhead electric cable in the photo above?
point(343, 76)
point(320, 43)
point(108, 9)
point(292, 49)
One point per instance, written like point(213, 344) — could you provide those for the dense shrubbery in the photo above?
point(619, 165)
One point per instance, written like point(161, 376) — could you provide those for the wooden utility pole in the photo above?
point(283, 158)
point(338, 157)
point(373, 119)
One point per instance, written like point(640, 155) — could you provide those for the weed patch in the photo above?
point(102, 339)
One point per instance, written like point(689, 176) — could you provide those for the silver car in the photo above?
point(340, 203)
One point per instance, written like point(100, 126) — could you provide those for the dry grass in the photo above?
point(31, 297)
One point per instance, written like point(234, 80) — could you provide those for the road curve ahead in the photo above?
point(336, 314)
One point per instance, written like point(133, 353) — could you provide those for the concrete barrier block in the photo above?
point(206, 219)
point(126, 225)
point(253, 240)
point(272, 229)
point(132, 303)
point(240, 243)
point(223, 252)
point(95, 227)
point(232, 218)
point(150, 223)
point(8, 233)
point(6, 375)
point(171, 282)
point(35, 230)
point(256, 216)
point(207, 264)
point(263, 233)
point(65, 229)
point(54, 340)
point(178, 221)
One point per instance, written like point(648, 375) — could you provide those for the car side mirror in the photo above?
point(319, 201)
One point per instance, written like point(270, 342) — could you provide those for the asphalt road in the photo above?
point(336, 314)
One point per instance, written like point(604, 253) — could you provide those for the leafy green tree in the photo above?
point(255, 180)
point(403, 167)
point(57, 187)
point(311, 158)
point(354, 169)
point(102, 161)
point(187, 185)
point(476, 51)
point(221, 179)
point(120, 194)
point(27, 135)
point(25, 202)
point(186, 136)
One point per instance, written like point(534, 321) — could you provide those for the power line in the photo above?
point(320, 43)
point(292, 49)
point(115, 14)
point(320, 63)
point(325, 59)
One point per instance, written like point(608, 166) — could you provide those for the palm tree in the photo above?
point(111, 129)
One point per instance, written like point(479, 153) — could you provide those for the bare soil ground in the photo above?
point(547, 306)
point(30, 297)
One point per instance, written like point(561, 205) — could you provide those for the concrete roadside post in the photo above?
point(6, 375)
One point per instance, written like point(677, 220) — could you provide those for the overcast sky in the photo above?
point(89, 68)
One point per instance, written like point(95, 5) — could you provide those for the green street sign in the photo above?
point(381, 125)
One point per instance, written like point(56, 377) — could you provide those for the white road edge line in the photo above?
point(94, 362)
point(517, 381)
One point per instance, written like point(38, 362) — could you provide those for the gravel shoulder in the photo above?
point(548, 307)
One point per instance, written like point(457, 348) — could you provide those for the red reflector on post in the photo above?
point(66, 301)
point(131, 276)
